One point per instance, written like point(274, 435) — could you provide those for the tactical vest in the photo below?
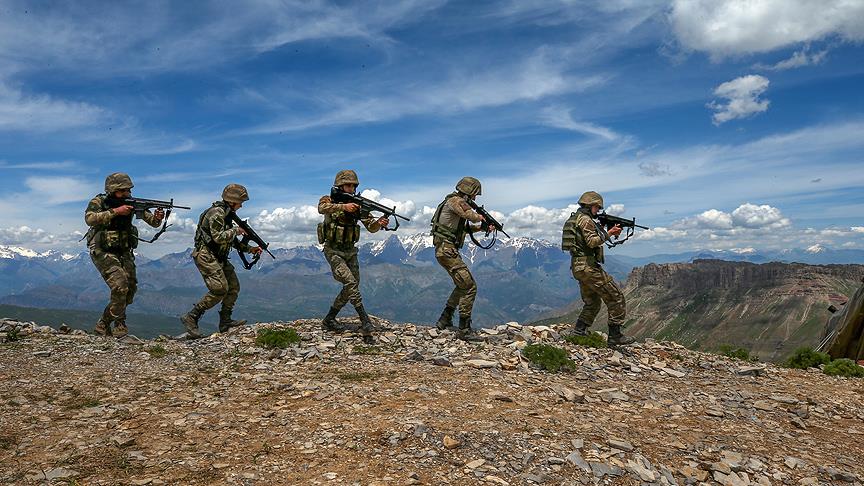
point(339, 230)
point(574, 242)
point(119, 235)
point(203, 237)
point(447, 225)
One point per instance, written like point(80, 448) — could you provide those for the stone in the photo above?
point(42, 354)
point(451, 443)
point(764, 405)
point(123, 440)
point(620, 444)
point(60, 473)
point(751, 370)
point(713, 412)
point(838, 475)
point(575, 458)
point(673, 373)
point(481, 363)
point(441, 361)
point(475, 463)
point(645, 474)
point(569, 395)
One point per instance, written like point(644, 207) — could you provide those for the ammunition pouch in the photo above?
point(338, 235)
point(116, 241)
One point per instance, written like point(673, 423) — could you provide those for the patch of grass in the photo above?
point(550, 358)
point(355, 376)
point(78, 401)
point(592, 340)
point(13, 335)
point(805, 357)
point(277, 338)
point(844, 367)
point(737, 353)
point(156, 351)
point(677, 357)
point(360, 349)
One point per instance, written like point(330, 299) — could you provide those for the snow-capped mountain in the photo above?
point(17, 252)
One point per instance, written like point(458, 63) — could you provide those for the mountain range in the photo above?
point(520, 279)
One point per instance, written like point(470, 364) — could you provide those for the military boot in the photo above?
point(616, 338)
point(103, 328)
point(120, 329)
point(225, 321)
point(465, 332)
point(581, 328)
point(446, 320)
point(329, 323)
point(190, 322)
point(365, 325)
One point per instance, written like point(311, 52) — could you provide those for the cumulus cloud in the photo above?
point(741, 97)
point(725, 28)
point(293, 219)
point(800, 58)
point(615, 209)
point(857, 229)
point(764, 216)
point(713, 219)
point(25, 235)
point(661, 234)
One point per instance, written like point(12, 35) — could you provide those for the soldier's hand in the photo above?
point(240, 231)
point(383, 222)
point(124, 210)
point(615, 231)
point(351, 207)
point(255, 250)
point(159, 214)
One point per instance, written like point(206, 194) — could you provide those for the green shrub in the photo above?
point(277, 338)
point(13, 335)
point(805, 357)
point(592, 340)
point(737, 353)
point(360, 349)
point(844, 367)
point(550, 358)
point(156, 351)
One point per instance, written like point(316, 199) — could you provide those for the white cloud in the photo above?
point(559, 117)
point(742, 98)
point(661, 234)
point(25, 235)
point(615, 209)
point(764, 216)
point(857, 229)
point(42, 113)
point(293, 219)
point(61, 190)
point(800, 58)
point(725, 28)
point(714, 219)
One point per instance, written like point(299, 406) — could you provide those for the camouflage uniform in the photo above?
point(215, 237)
point(450, 225)
point(111, 240)
point(584, 239)
point(339, 233)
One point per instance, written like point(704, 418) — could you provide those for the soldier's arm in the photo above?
point(589, 231)
point(370, 222)
point(461, 208)
point(150, 219)
point(244, 247)
point(94, 216)
point(327, 206)
point(215, 221)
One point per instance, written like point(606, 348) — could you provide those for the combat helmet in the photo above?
point(235, 193)
point(469, 185)
point(117, 181)
point(346, 177)
point(591, 198)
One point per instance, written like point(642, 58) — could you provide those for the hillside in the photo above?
point(419, 408)
point(770, 308)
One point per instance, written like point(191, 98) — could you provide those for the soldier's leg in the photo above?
point(591, 303)
point(214, 278)
point(225, 320)
point(448, 257)
point(342, 273)
point(356, 299)
point(465, 287)
point(602, 284)
point(112, 271)
point(128, 261)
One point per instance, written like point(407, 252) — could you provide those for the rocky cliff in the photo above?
point(769, 308)
point(419, 407)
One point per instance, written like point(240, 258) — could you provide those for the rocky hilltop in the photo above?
point(770, 309)
point(419, 407)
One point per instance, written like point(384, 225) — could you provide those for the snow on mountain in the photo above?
point(417, 242)
point(817, 248)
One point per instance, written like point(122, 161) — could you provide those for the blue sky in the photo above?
point(721, 124)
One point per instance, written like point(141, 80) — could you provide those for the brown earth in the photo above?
point(222, 410)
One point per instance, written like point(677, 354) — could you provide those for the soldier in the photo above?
point(214, 239)
point(339, 233)
point(450, 225)
point(111, 239)
point(584, 239)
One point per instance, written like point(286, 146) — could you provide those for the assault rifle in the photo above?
point(140, 205)
point(367, 205)
point(489, 225)
point(250, 235)
point(608, 221)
